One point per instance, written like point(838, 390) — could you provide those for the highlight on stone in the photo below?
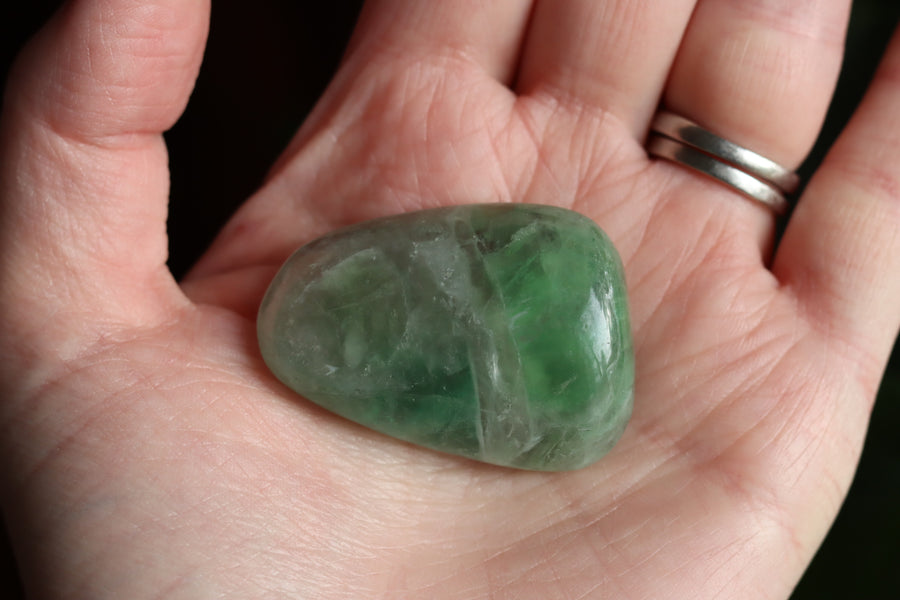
point(498, 332)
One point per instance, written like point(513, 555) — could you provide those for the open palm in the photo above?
point(151, 453)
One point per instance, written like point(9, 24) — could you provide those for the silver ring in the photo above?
point(710, 166)
point(687, 132)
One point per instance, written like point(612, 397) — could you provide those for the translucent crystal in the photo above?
point(495, 332)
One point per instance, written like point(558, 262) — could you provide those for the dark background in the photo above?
point(267, 63)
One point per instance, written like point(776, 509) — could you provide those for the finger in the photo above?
point(612, 55)
point(84, 170)
point(841, 252)
point(760, 73)
point(486, 34)
point(449, 46)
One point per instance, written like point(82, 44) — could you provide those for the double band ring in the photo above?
point(682, 141)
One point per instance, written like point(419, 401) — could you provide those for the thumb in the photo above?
point(83, 166)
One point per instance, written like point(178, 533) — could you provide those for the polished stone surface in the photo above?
point(495, 332)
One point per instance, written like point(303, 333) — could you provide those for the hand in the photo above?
point(149, 452)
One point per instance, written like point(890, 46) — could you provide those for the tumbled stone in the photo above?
point(495, 332)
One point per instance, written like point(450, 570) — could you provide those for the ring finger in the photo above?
point(760, 73)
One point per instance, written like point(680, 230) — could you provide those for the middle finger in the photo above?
point(613, 55)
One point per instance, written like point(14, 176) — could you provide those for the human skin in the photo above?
point(149, 453)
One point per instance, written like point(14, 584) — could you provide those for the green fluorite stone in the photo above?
point(496, 332)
